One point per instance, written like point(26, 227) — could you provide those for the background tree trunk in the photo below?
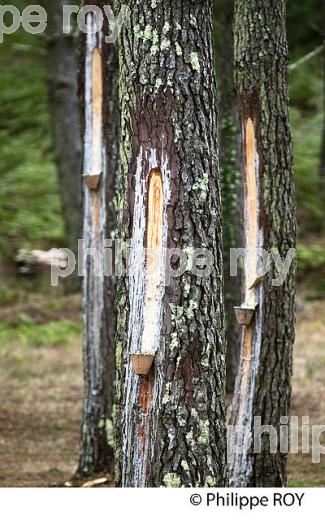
point(99, 94)
point(263, 386)
point(63, 101)
point(172, 429)
point(322, 155)
point(230, 183)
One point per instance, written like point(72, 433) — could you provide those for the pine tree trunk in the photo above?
point(263, 385)
point(231, 185)
point(63, 100)
point(99, 87)
point(172, 420)
point(322, 154)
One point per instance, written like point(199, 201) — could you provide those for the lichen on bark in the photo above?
point(261, 59)
point(173, 423)
point(99, 313)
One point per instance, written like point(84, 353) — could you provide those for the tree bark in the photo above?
point(230, 183)
point(322, 155)
point(63, 101)
point(263, 386)
point(101, 129)
point(170, 423)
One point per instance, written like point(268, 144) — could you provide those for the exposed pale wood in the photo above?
point(155, 213)
point(91, 178)
point(38, 258)
point(94, 483)
point(261, 74)
point(95, 210)
point(97, 101)
point(251, 230)
point(179, 439)
point(246, 358)
point(154, 259)
point(251, 214)
point(99, 90)
point(245, 313)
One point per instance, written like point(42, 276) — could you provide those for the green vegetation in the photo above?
point(30, 213)
point(29, 333)
point(307, 120)
point(311, 257)
point(306, 482)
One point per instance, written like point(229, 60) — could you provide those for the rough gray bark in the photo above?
point(263, 386)
point(171, 423)
point(230, 184)
point(97, 443)
point(63, 101)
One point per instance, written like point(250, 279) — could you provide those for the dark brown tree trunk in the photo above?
point(63, 98)
point(230, 184)
point(101, 126)
point(263, 385)
point(171, 422)
point(322, 155)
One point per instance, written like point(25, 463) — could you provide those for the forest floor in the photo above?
point(41, 391)
point(40, 403)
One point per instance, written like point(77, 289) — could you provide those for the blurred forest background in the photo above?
point(40, 328)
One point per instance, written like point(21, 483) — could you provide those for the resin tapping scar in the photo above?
point(154, 266)
point(92, 178)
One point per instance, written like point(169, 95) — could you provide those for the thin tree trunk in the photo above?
point(322, 156)
point(99, 90)
point(171, 422)
point(63, 98)
point(263, 385)
point(231, 185)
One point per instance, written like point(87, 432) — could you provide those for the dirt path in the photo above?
point(41, 398)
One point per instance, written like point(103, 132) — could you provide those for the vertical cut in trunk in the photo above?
point(154, 284)
point(99, 87)
point(249, 314)
point(95, 127)
point(251, 228)
point(170, 421)
point(147, 268)
point(263, 384)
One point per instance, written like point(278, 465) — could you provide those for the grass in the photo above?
point(29, 333)
point(306, 482)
